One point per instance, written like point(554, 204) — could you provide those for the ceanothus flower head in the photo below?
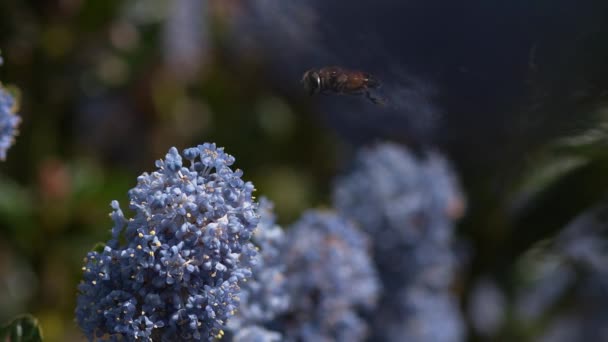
point(9, 121)
point(330, 279)
point(407, 205)
point(392, 192)
point(264, 296)
point(173, 271)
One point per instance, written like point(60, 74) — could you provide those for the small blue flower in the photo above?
point(178, 273)
point(9, 121)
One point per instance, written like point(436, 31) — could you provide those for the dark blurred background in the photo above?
point(108, 86)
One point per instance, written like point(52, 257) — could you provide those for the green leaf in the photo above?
point(16, 204)
point(24, 328)
point(590, 144)
point(548, 174)
point(98, 247)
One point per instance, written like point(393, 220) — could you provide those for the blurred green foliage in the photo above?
point(22, 329)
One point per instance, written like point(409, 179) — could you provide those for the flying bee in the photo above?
point(337, 80)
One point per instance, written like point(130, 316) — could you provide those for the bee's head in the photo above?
point(311, 82)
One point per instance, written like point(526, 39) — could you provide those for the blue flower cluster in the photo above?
point(174, 270)
point(407, 205)
point(200, 256)
point(265, 295)
point(330, 279)
point(309, 284)
point(9, 121)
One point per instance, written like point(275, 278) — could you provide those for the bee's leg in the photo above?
point(375, 99)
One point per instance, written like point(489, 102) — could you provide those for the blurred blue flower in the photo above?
point(264, 296)
point(186, 37)
point(256, 334)
point(173, 271)
point(9, 121)
point(407, 204)
point(429, 315)
point(330, 279)
point(585, 319)
point(487, 307)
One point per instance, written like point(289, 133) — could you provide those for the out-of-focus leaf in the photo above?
point(560, 159)
point(565, 177)
point(98, 247)
point(16, 206)
point(592, 143)
point(581, 143)
point(87, 178)
point(24, 328)
point(545, 176)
